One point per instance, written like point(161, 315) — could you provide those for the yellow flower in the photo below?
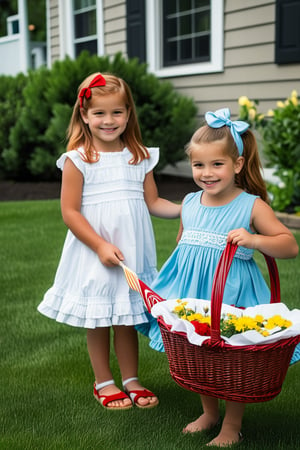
point(294, 100)
point(294, 94)
point(280, 104)
point(270, 113)
point(259, 318)
point(194, 316)
point(252, 113)
point(178, 308)
point(265, 333)
point(245, 323)
point(243, 100)
point(277, 321)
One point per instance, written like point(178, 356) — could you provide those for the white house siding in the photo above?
point(114, 27)
point(249, 54)
point(53, 31)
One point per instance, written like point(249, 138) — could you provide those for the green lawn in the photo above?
point(46, 384)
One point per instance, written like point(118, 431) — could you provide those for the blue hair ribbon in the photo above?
point(220, 118)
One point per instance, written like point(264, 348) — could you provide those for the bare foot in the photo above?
point(112, 390)
point(204, 423)
point(143, 402)
point(226, 439)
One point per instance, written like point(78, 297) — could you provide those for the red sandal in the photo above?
point(135, 394)
point(105, 399)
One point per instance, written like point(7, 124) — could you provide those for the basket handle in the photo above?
point(219, 281)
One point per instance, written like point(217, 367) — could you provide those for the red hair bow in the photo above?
point(99, 80)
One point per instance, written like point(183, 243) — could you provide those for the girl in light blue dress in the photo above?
point(231, 207)
point(108, 193)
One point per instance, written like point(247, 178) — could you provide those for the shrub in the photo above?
point(37, 137)
point(11, 103)
point(281, 142)
point(280, 131)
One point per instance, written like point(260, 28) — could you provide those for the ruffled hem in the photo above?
point(93, 312)
point(90, 322)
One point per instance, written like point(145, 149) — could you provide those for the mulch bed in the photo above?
point(172, 188)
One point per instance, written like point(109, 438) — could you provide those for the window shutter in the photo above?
point(287, 46)
point(136, 42)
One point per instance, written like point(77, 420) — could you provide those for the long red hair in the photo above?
point(79, 134)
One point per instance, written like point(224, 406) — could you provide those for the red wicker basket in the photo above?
point(247, 374)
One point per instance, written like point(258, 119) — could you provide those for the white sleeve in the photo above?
point(75, 157)
point(154, 158)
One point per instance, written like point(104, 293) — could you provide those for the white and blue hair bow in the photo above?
point(220, 118)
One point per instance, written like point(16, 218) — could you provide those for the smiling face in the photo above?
point(214, 171)
point(107, 117)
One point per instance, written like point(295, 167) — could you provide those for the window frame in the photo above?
point(67, 31)
point(154, 43)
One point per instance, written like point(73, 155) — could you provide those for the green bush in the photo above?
point(37, 133)
point(281, 142)
point(280, 132)
point(11, 103)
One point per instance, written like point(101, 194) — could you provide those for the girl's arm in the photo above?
point(71, 193)
point(273, 238)
point(159, 207)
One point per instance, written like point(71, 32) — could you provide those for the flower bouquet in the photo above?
point(255, 325)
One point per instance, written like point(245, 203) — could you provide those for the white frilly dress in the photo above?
point(86, 293)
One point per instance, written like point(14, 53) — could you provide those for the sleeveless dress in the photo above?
point(86, 293)
point(189, 271)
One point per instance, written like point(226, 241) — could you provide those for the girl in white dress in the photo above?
point(108, 192)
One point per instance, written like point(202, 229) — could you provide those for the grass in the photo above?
point(46, 397)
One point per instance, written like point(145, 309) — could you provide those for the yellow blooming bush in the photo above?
point(280, 133)
point(230, 324)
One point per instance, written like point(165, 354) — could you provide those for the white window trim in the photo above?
point(66, 28)
point(154, 43)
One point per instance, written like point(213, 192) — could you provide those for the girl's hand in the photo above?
point(109, 254)
point(242, 237)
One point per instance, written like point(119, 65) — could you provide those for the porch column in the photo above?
point(24, 36)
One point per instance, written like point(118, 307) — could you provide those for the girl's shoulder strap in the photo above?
point(246, 197)
point(192, 197)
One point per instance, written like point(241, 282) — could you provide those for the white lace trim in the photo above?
point(213, 240)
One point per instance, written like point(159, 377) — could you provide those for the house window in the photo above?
point(186, 31)
point(13, 25)
point(184, 37)
point(85, 26)
point(287, 47)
